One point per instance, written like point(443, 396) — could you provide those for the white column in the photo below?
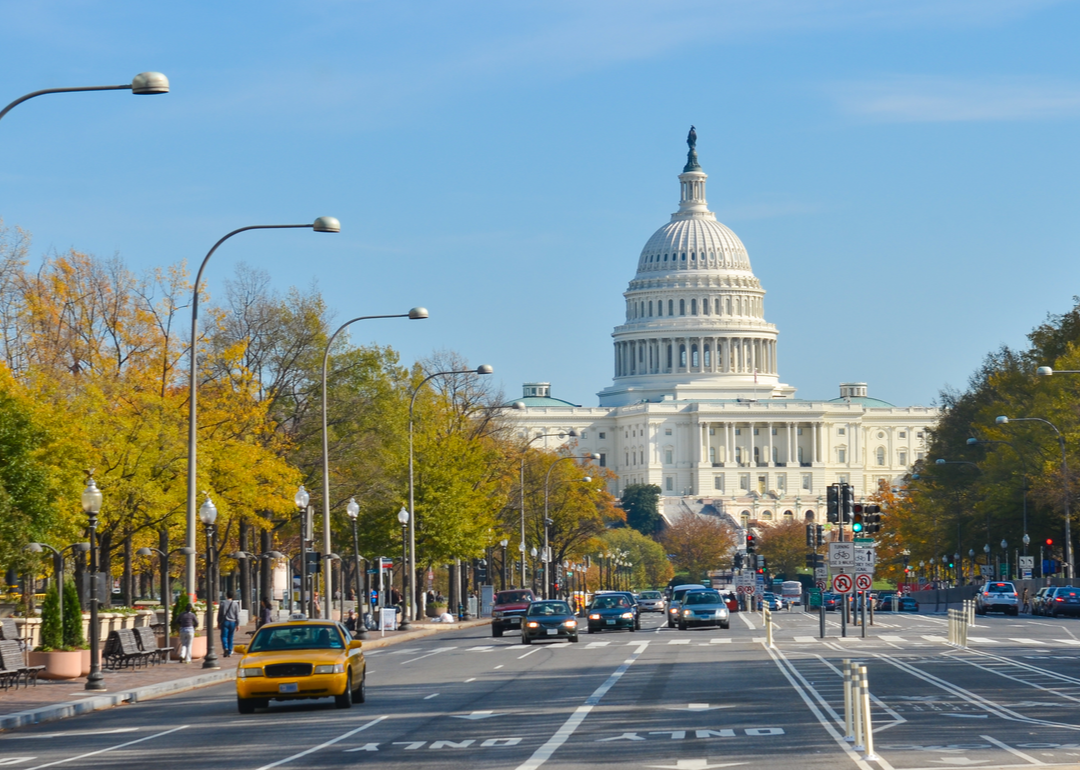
point(814, 449)
point(790, 437)
point(768, 427)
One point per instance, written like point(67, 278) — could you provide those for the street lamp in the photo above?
point(1004, 555)
point(547, 521)
point(1003, 420)
point(91, 504)
point(403, 519)
point(482, 369)
point(414, 314)
point(533, 552)
point(521, 481)
point(58, 567)
point(301, 499)
point(502, 581)
point(320, 225)
point(353, 509)
point(166, 595)
point(208, 515)
point(144, 83)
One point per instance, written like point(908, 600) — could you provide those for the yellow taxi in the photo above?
point(297, 659)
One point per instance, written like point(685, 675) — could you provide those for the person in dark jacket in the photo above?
point(266, 613)
point(228, 618)
point(187, 622)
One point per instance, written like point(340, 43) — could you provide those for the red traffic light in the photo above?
point(1049, 541)
point(761, 571)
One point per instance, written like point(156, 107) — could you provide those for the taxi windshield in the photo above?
point(298, 637)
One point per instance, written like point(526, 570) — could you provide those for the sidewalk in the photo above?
point(52, 700)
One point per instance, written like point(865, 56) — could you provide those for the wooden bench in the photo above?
point(147, 640)
point(11, 659)
point(122, 649)
point(9, 631)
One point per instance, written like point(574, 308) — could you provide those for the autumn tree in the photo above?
point(784, 546)
point(698, 544)
point(652, 567)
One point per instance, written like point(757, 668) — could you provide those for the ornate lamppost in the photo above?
point(403, 519)
point(208, 515)
point(91, 503)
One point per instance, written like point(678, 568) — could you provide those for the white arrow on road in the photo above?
point(960, 761)
point(695, 764)
point(700, 707)
point(477, 715)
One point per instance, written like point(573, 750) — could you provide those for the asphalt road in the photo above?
point(658, 698)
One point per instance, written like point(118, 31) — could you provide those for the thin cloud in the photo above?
point(949, 100)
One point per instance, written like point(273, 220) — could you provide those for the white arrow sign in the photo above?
point(695, 764)
point(477, 715)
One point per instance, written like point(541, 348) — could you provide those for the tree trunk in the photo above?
point(245, 575)
point(128, 582)
point(105, 566)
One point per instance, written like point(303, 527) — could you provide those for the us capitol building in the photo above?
point(697, 406)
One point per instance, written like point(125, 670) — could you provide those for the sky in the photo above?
point(904, 174)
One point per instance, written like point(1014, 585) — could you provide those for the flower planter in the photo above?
point(198, 648)
point(85, 661)
point(60, 665)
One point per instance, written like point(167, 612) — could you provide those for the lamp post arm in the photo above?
point(21, 99)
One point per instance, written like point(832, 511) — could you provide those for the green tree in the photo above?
point(642, 505)
point(74, 639)
point(52, 633)
point(652, 568)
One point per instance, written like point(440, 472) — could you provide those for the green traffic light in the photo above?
point(856, 527)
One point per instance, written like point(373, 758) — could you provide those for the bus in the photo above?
point(791, 591)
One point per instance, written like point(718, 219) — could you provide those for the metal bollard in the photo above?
point(867, 723)
point(845, 667)
point(856, 711)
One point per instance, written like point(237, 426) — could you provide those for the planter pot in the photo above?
point(198, 648)
point(85, 662)
point(127, 621)
point(59, 665)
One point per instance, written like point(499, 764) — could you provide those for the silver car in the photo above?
point(677, 594)
point(703, 608)
point(651, 601)
point(999, 596)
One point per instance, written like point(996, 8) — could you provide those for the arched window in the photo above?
point(789, 515)
point(671, 307)
point(693, 307)
point(729, 305)
point(705, 306)
point(684, 256)
point(881, 455)
point(640, 352)
point(693, 255)
point(660, 307)
point(650, 308)
point(707, 357)
point(665, 257)
point(682, 356)
point(757, 454)
point(718, 306)
point(682, 307)
point(766, 515)
point(712, 454)
point(694, 356)
point(809, 516)
point(799, 450)
point(776, 454)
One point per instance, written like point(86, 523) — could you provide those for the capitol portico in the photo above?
point(697, 406)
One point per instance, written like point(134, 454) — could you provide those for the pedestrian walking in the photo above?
point(187, 622)
point(228, 618)
point(266, 613)
point(1026, 604)
point(316, 609)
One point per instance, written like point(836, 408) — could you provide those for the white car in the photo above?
point(651, 601)
point(997, 596)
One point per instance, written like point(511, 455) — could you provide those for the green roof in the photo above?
point(863, 401)
point(542, 401)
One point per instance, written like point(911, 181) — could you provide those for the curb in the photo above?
point(69, 709)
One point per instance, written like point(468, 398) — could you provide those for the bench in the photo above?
point(122, 649)
point(11, 659)
point(9, 631)
point(147, 640)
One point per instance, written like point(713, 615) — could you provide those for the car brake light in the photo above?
point(986, 593)
point(1058, 599)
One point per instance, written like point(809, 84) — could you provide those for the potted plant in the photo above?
point(59, 661)
point(198, 644)
point(74, 635)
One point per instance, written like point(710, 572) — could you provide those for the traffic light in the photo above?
point(738, 560)
point(751, 544)
point(871, 519)
point(809, 535)
point(847, 503)
point(832, 496)
point(857, 522)
point(820, 535)
point(1049, 542)
point(764, 564)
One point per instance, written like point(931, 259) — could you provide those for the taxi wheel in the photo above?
point(360, 696)
point(345, 700)
point(591, 630)
point(245, 705)
point(682, 626)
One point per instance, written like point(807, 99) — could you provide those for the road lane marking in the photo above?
point(433, 695)
point(1033, 642)
point(110, 748)
point(746, 620)
point(720, 641)
point(331, 742)
point(1011, 750)
point(591, 645)
point(544, 753)
point(436, 652)
point(679, 641)
point(72, 734)
point(498, 666)
point(483, 648)
point(530, 652)
point(470, 679)
point(805, 639)
point(899, 639)
point(941, 639)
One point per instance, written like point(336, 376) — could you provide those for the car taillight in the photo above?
point(986, 593)
point(1058, 599)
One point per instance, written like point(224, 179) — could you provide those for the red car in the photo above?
point(509, 608)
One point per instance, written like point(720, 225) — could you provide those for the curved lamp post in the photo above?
point(547, 521)
point(1004, 420)
point(320, 225)
point(482, 369)
point(414, 314)
point(353, 510)
point(58, 566)
point(91, 504)
point(521, 480)
point(144, 83)
point(208, 515)
point(166, 594)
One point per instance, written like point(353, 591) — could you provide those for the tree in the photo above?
point(698, 544)
point(652, 568)
point(784, 546)
point(642, 505)
point(74, 639)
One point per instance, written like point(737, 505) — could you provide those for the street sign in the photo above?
point(842, 554)
point(863, 582)
point(820, 573)
point(987, 570)
point(744, 581)
point(1027, 562)
point(821, 585)
point(862, 540)
point(865, 557)
point(841, 584)
point(744, 589)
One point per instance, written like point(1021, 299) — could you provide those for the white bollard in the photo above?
point(856, 710)
point(867, 722)
point(768, 628)
point(846, 669)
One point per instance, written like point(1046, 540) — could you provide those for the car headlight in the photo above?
point(594, 617)
point(570, 624)
point(533, 624)
point(687, 613)
point(247, 673)
point(331, 668)
point(496, 614)
point(627, 615)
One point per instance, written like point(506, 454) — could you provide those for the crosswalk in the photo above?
point(936, 639)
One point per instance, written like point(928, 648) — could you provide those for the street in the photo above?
point(657, 698)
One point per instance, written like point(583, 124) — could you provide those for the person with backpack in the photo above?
point(228, 618)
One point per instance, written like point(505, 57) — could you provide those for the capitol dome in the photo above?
point(695, 313)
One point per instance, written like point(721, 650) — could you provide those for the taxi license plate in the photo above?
point(611, 622)
point(552, 631)
point(291, 687)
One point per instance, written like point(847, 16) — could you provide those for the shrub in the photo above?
point(183, 603)
point(73, 623)
point(52, 633)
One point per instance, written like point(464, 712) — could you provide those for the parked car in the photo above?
point(772, 601)
point(651, 601)
point(703, 608)
point(907, 604)
point(677, 594)
point(830, 601)
point(1063, 600)
point(997, 596)
point(1039, 602)
point(885, 600)
point(549, 619)
point(509, 608)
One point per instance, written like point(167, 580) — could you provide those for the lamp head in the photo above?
point(91, 498)
point(1044, 371)
point(301, 498)
point(417, 313)
point(208, 511)
point(485, 369)
point(972, 442)
point(504, 542)
point(273, 555)
point(187, 550)
point(144, 552)
point(149, 83)
point(326, 225)
point(239, 555)
point(1004, 544)
point(587, 479)
point(986, 548)
point(594, 456)
point(1027, 539)
point(403, 516)
point(533, 551)
point(353, 508)
point(80, 547)
point(1001, 420)
point(939, 461)
point(34, 548)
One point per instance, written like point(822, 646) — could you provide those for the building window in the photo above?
point(712, 431)
point(776, 454)
point(903, 434)
point(799, 453)
point(781, 482)
point(755, 431)
point(738, 431)
point(669, 357)
point(694, 360)
point(762, 484)
point(903, 458)
point(708, 356)
point(682, 356)
point(603, 460)
point(774, 431)
point(744, 481)
point(798, 431)
point(660, 308)
point(602, 435)
point(920, 456)
point(738, 455)
point(650, 308)
point(841, 431)
point(789, 515)
point(667, 431)
point(668, 456)
point(919, 434)
point(682, 307)
point(841, 455)
point(718, 306)
point(718, 483)
point(842, 478)
point(669, 483)
point(881, 455)
point(808, 482)
point(693, 307)
point(712, 454)
point(705, 306)
point(627, 458)
point(684, 256)
point(766, 515)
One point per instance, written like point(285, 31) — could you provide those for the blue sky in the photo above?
point(903, 174)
